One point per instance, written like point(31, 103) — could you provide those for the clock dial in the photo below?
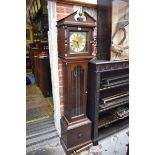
point(78, 42)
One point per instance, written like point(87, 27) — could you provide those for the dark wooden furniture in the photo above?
point(35, 53)
point(44, 74)
point(41, 67)
point(108, 81)
point(32, 49)
point(75, 47)
point(108, 89)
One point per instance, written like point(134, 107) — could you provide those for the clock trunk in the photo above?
point(75, 125)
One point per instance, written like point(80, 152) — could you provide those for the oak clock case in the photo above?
point(75, 48)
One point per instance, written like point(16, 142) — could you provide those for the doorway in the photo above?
point(40, 125)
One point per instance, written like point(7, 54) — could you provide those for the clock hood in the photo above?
point(77, 19)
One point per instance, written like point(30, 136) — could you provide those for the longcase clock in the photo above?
point(75, 48)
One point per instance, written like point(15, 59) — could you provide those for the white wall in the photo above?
point(53, 52)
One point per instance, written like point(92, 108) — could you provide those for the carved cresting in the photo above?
point(77, 90)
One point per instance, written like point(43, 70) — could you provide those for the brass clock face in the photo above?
point(78, 42)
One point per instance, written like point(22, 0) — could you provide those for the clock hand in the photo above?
point(76, 42)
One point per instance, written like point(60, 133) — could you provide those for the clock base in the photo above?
point(75, 135)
